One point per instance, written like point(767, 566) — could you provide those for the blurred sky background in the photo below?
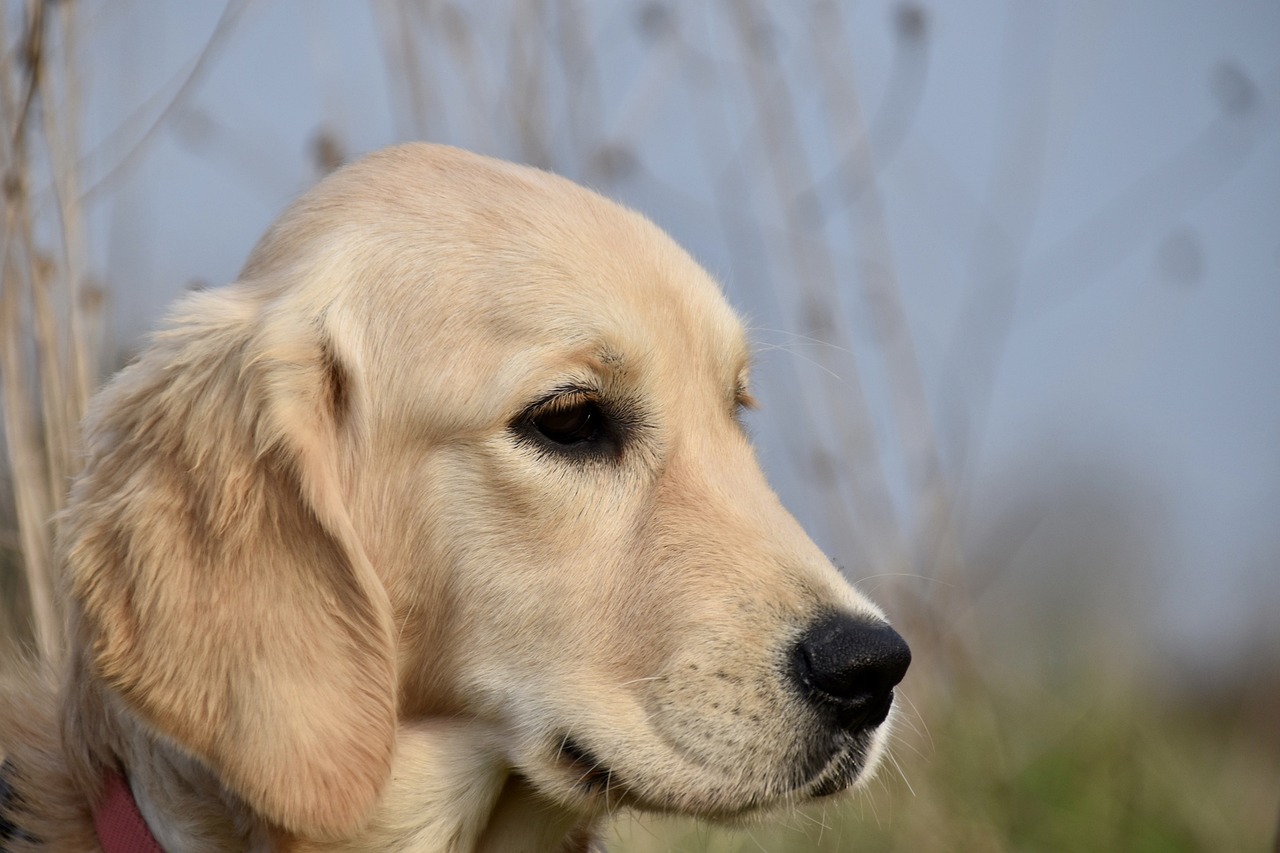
point(1076, 206)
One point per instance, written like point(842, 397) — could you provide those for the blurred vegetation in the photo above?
point(1031, 722)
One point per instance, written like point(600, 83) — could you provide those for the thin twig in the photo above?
point(859, 458)
point(221, 33)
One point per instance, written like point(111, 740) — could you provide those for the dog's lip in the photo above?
point(588, 773)
point(839, 773)
point(589, 776)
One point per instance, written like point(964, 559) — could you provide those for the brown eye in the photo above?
point(574, 424)
point(571, 424)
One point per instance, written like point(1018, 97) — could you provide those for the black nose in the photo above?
point(847, 667)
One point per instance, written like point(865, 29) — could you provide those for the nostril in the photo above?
point(849, 666)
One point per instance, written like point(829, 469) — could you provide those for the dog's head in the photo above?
point(465, 440)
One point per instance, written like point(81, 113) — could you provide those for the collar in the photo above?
point(118, 822)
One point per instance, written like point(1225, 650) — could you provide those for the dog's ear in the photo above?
point(218, 585)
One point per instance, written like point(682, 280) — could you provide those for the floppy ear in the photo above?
point(220, 588)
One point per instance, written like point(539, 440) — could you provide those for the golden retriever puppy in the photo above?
point(438, 530)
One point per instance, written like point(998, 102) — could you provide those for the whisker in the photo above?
point(754, 840)
point(908, 575)
point(920, 717)
point(644, 678)
point(901, 772)
point(801, 338)
point(802, 357)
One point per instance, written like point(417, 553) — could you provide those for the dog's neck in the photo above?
point(451, 790)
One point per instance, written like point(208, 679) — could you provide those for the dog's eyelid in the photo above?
point(565, 398)
point(560, 400)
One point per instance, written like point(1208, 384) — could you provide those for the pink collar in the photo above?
point(118, 822)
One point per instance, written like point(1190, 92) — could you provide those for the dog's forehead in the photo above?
point(517, 264)
point(643, 315)
point(619, 313)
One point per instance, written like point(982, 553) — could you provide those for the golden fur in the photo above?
point(330, 591)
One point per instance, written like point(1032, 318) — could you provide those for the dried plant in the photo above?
point(47, 307)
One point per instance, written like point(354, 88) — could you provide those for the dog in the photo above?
point(439, 529)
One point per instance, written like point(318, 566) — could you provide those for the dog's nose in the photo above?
point(847, 667)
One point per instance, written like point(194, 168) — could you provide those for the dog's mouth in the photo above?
point(839, 774)
point(587, 773)
point(590, 778)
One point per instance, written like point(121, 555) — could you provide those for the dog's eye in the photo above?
point(572, 423)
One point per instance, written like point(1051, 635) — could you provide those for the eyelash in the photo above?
point(570, 419)
point(571, 423)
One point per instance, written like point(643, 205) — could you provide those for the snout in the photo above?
point(846, 667)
